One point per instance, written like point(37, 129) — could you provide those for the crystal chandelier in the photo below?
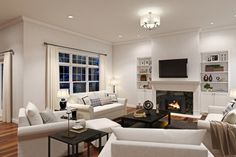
point(150, 21)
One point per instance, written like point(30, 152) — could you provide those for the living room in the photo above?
point(188, 29)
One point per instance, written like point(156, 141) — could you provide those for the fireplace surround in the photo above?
point(178, 85)
point(175, 101)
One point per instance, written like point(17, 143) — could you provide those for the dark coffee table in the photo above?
point(87, 136)
point(149, 120)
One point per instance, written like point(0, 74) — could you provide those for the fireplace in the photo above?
point(175, 101)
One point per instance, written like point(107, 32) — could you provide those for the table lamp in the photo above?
point(114, 83)
point(233, 94)
point(63, 94)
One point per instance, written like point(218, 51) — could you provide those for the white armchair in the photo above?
point(33, 140)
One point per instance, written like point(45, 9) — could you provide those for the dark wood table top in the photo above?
point(151, 118)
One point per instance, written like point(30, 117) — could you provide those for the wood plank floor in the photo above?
point(8, 140)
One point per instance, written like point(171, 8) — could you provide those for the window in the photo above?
point(78, 73)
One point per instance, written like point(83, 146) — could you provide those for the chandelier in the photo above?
point(150, 21)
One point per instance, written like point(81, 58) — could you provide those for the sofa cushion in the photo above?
point(113, 97)
point(99, 110)
point(33, 115)
point(86, 100)
point(175, 136)
point(95, 102)
point(229, 107)
point(48, 116)
point(214, 116)
point(230, 117)
point(106, 100)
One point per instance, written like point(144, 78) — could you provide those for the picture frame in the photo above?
point(214, 58)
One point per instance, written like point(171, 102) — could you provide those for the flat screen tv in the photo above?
point(174, 68)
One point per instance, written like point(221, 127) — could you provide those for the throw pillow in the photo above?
point(230, 117)
point(113, 97)
point(33, 115)
point(95, 102)
point(173, 136)
point(106, 100)
point(86, 100)
point(48, 116)
point(229, 107)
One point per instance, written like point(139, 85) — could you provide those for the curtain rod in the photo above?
point(45, 43)
point(12, 52)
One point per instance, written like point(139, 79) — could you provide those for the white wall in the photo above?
point(35, 56)
point(125, 68)
point(183, 45)
point(12, 38)
point(222, 40)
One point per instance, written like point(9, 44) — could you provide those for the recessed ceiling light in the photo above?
point(212, 23)
point(234, 15)
point(70, 17)
point(120, 36)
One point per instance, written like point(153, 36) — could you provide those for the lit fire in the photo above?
point(174, 105)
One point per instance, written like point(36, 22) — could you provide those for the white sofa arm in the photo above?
point(122, 101)
point(216, 109)
point(203, 124)
point(37, 131)
point(83, 111)
point(150, 149)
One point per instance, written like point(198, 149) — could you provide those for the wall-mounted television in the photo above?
point(173, 68)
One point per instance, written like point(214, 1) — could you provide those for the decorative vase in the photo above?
point(210, 78)
point(205, 77)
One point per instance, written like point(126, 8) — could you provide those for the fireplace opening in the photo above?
point(175, 101)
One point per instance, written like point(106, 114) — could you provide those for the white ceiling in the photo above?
point(107, 19)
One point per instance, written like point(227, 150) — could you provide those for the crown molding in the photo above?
point(157, 36)
point(11, 22)
point(27, 19)
point(220, 28)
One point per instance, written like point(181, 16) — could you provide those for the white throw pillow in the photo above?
point(174, 136)
point(48, 116)
point(33, 115)
point(230, 117)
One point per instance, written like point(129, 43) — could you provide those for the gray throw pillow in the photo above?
point(95, 102)
point(48, 116)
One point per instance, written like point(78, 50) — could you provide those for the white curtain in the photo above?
point(102, 66)
point(7, 88)
point(52, 77)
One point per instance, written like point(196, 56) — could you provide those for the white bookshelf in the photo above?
point(144, 72)
point(214, 66)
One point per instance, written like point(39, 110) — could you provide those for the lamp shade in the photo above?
point(232, 93)
point(114, 82)
point(63, 93)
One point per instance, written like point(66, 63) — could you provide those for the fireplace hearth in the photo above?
point(175, 101)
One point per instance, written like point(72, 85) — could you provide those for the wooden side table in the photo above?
point(86, 136)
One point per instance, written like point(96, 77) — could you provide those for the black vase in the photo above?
point(210, 78)
point(205, 78)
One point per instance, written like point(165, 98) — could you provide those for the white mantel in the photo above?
point(179, 85)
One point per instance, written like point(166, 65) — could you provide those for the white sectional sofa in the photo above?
point(215, 113)
point(86, 111)
point(155, 143)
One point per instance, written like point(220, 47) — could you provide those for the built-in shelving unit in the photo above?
point(214, 71)
point(144, 72)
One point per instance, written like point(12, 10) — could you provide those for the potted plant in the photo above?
point(208, 87)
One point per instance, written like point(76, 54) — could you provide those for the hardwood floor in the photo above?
point(8, 140)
